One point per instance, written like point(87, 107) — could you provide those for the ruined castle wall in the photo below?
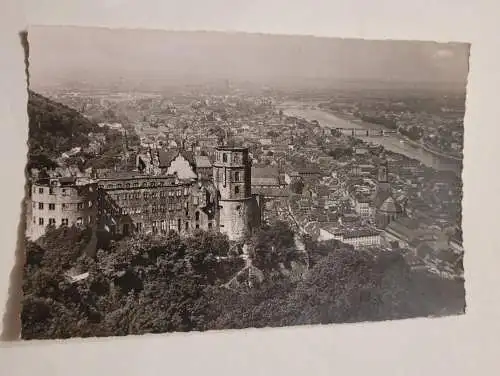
point(235, 218)
point(231, 176)
point(156, 205)
point(60, 205)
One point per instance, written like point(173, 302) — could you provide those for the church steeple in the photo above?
point(383, 172)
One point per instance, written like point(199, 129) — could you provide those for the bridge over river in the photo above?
point(359, 132)
point(377, 134)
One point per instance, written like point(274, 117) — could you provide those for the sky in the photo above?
point(59, 54)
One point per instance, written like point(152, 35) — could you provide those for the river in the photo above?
point(391, 142)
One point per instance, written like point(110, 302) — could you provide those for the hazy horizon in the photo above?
point(103, 57)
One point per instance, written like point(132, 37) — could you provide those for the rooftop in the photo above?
point(231, 148)
point(167, 156)
point(360, 233)
point(202, 161)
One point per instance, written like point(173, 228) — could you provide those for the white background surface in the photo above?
point(463, 345)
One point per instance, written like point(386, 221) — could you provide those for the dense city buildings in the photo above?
point(296, 169)
point(160, 204)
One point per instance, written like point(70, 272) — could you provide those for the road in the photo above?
point(393, 142)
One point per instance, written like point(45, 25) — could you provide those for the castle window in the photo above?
point(197, 215)
point(80, 206)
point(40, 205)
point(179, 193)
point(52, 221)
point(210, 225)
point(236, 189)
point(34, 204)
point(52, 206)
point(224, 157)
point(195, 200)
point(118, 186)
point(197, 225)
point(146, 195)
point(186, 192)
point(34, 220)
point(40, 190)
point(136, 185)
point(51, 191)
point(64, 221)
point(40, 221)
point(237, 176)
point(127, 185)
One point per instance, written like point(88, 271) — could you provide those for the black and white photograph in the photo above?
point(192, 181)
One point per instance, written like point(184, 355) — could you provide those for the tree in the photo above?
point(272, 244)
point(297, 186)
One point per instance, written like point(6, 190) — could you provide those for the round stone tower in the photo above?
point(232, 178)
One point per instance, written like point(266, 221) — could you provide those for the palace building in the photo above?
point(65, 201)
point(167, 192)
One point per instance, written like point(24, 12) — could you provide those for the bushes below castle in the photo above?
point(154, 285)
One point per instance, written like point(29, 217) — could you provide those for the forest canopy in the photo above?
point(152, 284)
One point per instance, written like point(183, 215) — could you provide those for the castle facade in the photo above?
point(166, 193)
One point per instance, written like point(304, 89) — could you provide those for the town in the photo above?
point(228, 162)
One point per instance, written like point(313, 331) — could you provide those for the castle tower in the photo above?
point(231, 177)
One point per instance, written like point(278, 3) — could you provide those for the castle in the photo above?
point(171, 190)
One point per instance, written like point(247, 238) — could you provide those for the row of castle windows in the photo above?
point(220, 175)
point(64, 221)
point(64, 191)
point(236, 157)
point(165, 226)
point(151, 184)
point(147, 195)
point(64, 206)
point(154, 209)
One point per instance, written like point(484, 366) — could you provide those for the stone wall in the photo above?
point(60, 205)
point(235, 218)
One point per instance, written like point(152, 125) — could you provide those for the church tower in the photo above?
point(232, 178)
point(386, 207)
point(383, 174)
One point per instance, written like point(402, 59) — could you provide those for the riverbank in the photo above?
point(392, 143)
point(405, 138)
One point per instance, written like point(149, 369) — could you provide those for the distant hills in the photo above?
point(53, 129)
point(153, 59)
